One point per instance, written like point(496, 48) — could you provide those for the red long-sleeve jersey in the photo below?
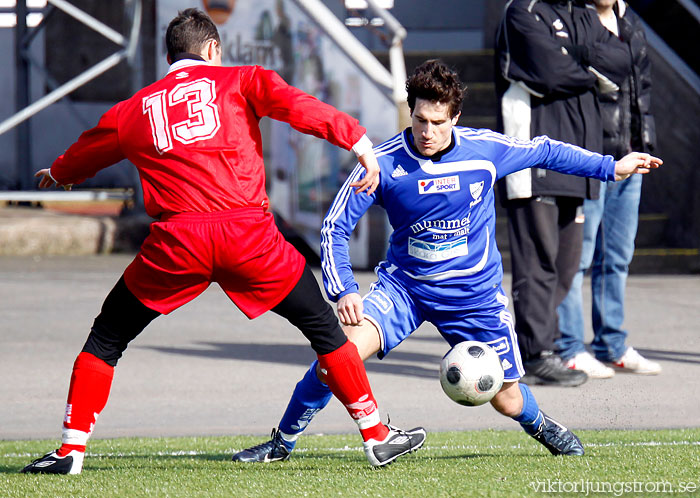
point(194, 136)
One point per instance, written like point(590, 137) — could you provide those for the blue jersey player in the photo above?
point(442, 266)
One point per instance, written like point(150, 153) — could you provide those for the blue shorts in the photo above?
point(397, 313)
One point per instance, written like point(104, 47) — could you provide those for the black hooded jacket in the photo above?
point(554, 58)
point(627, 121)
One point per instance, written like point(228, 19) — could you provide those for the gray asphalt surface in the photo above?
point(206, 369)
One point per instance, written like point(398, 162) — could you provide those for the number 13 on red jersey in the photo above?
point(203, 114)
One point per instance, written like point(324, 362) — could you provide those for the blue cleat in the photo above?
point(558, 439)
point(273, 450)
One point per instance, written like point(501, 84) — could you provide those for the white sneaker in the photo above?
point(634, 362)
point(587, 363)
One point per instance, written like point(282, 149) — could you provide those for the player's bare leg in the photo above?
point(509, 400)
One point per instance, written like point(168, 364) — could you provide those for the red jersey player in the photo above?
point(195, 140)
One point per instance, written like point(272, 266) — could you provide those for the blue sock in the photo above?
point(310, 396)
point(531, 417)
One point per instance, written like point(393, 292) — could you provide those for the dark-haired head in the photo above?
point(189, 32)
point(435, 82)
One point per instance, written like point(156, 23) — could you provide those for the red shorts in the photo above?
point(242, 250)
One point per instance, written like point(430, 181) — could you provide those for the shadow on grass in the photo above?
point(397, 363)
point(407, 364)
point(97, 460)
point(118, 463)
point(11, 469)
point(301, 462)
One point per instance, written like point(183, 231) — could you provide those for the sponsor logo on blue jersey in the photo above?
point(443, 229)
point(438, 185)
point(432, 251)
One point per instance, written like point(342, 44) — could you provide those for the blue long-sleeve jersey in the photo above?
point(442, 211)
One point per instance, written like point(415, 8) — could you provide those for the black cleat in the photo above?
point(558, 439)
point(273, 450)
point(54, 464)
point(549, 370)
point(398, 442)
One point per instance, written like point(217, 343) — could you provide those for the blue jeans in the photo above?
point(608, 246)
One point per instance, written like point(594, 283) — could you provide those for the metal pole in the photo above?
point(23, 149)
point(351, 46)
point(89, 21)
point(63, 90)
point(134, 57)
point(397, 63)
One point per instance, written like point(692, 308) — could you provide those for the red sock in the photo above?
point(67, 448)
point(346, 376)
point(87, 397)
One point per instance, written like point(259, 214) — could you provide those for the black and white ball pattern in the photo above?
point(471, 373)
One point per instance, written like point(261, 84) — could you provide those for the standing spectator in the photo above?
point(195, 140)
point(611, 220)
point(554, 56)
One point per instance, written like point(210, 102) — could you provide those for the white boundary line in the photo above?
point(354, 449)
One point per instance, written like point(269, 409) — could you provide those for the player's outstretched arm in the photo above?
point(47, 180)
point(635, 162)
point(350, 309)
point(370, 181)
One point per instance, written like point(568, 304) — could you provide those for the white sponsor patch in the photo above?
point(380, 300)
point(431, 251)
point(438, 185)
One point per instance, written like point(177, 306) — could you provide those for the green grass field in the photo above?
point(477, 463)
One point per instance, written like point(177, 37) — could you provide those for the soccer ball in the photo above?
point(471, 373)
